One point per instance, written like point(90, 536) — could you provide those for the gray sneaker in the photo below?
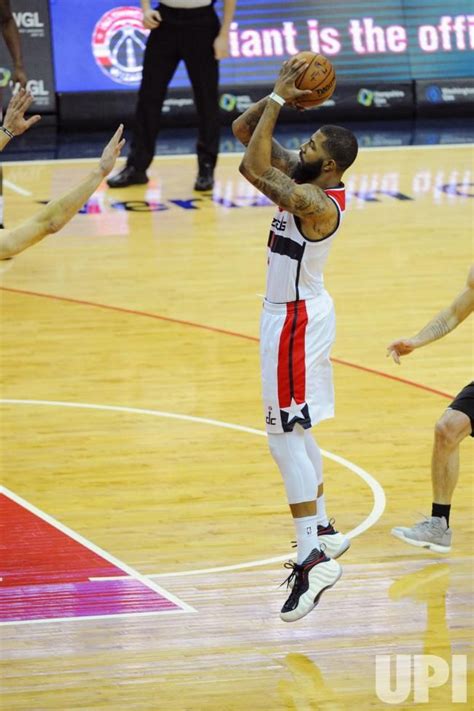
point(432, 533)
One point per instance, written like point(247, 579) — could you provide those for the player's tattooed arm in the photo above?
point(245, 124)
point(243, 128)
point(282, 159)
point(443, 323)
point(446, 320)
point(301, 200)
point(437, 328)
point(257, 166)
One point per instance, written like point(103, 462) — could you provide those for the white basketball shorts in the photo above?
point(295, 345)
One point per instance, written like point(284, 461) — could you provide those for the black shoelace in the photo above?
point(295, 575)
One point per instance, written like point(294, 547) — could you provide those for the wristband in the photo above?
point(277, 98)
point(7, 131)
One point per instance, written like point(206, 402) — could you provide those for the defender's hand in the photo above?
point(402, 347)
point(111, 151)
point(15, 114)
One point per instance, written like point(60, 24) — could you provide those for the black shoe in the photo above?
point(127, 176)
point(205, 178)
point(309, 580)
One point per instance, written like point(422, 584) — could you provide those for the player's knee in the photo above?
point(449, 430)
point(275, 445)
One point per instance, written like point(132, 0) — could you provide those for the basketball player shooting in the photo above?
point(298, 321)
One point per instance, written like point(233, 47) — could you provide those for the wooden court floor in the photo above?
point(131, 419)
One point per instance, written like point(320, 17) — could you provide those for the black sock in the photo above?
point(440, 510)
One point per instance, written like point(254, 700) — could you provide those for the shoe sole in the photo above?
point(128, 185)
point(427, 545)
point(315, 602)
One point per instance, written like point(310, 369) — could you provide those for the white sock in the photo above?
point(306, 536)
point(322, 515)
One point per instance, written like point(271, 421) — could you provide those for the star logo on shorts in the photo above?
point(295, 411)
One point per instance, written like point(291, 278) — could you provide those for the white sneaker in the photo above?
point(335, 543)
point(432, 533)
point(308, 581)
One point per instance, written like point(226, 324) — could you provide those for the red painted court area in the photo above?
point(48, 572)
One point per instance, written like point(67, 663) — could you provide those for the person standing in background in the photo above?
point(187, 30)
point(12, 40)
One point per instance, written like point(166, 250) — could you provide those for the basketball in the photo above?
point(320, 77)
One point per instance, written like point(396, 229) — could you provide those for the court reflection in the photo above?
point(429, 585)
point(433, 587)
point(305, 689)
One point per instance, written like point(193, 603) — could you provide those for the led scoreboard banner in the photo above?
point(98, 45)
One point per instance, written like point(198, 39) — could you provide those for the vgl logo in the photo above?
point(28, 19)
point(429, 671)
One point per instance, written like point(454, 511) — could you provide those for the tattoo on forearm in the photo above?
point(249, 119)
point(299, 199)
point(283, 159)
point(437, 328)
point(251, 122)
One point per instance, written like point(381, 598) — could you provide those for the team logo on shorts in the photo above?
point(118, 43)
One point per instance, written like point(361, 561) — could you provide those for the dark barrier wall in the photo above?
point(32, 19)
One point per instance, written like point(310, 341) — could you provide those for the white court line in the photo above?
point(128, 615)
point(16, 188)
point(377, 510)
point(377, 491)
point(233, 154)
point(103, 554)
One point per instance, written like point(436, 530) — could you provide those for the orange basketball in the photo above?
point(320, 77)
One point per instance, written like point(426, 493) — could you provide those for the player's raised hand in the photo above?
point(285, 84)
point(402, 347)
point(14, 119)
point(111, 151)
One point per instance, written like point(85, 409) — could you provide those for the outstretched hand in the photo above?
point(402, 347)
point(285, 84)
point(111, 151)
point(14, 119)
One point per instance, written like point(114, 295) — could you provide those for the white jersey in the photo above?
point(295, 263)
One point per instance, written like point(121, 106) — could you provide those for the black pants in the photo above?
point(186, 35)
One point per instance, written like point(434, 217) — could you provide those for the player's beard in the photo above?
point(307, 172)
